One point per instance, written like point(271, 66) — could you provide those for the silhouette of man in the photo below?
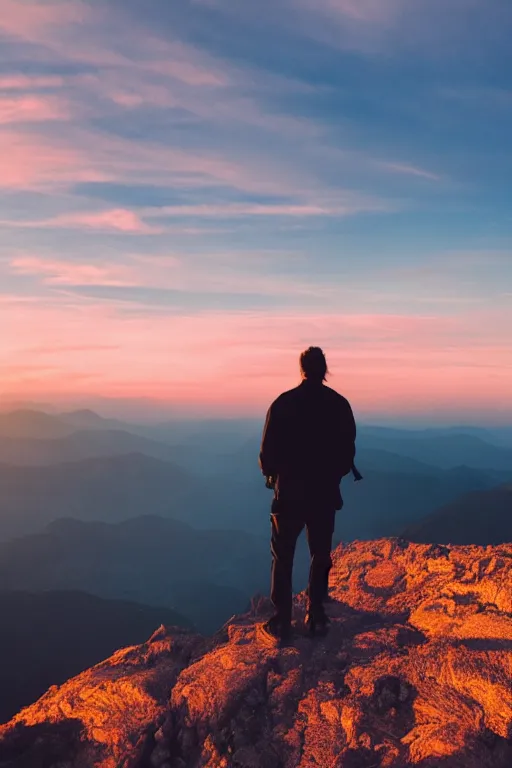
point(308, 445)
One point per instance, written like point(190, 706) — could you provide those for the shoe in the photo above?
point(274, 633)
point(316, 622)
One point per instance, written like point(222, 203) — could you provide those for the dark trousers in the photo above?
point(287, 525)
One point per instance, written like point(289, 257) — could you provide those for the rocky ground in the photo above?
point(416, 670)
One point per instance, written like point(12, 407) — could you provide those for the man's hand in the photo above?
point(270, 482)
point(357, 475)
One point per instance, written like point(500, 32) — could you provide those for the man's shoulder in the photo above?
point(285, 397)
point(335, 396)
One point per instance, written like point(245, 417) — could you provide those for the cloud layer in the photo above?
point(206, 188)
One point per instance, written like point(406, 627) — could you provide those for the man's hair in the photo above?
point(313, 364)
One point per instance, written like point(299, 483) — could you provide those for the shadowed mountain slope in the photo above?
point(206, 575)
point(48, 637)
point(482, 517)
point(446, 450)
point(414, 672)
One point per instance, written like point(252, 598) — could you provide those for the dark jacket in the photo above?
point(308, 443)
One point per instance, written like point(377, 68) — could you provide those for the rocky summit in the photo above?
point(416, 670)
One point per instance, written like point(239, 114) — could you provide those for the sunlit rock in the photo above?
point(416, 670)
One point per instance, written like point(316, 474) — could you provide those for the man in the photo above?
point(308, 445)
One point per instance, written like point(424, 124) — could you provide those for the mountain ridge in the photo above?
point(479, 517)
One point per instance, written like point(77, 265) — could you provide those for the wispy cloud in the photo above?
point(342, 208)
point(369, 11)
point(31, 161)
point(33, 20)
point(29, 109)
point(409, 170)
point(22, 82)
point(67, 273)
point(118, 219)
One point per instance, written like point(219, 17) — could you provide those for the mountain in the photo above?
point(205, 575)
point(29, 438)
point(84, 444)
point(27, 424)
point(482, 517)
point(496, 435)
point(384, 503)
point(396, 491)
point(415, 671)
point(87, 419)
point(59, 634)
point(445, 450)
point(97, 489)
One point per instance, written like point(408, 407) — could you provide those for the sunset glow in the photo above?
point(190, 194)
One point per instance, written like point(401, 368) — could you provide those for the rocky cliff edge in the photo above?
point(416, 670)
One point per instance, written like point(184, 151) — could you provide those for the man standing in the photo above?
point(308, 446)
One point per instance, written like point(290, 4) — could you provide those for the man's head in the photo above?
point(313, 365)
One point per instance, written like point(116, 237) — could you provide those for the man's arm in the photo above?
point(351, 428)
point(268, 460)
point(347, 439)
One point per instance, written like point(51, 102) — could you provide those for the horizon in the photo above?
point(192, 194)
point(149, 413)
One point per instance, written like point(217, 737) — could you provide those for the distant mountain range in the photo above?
point(39, 439)
point(481, 517)
point(396, 491)
point(206, 473)
point(59, 634)
point(205, 575)
point(445, 450)
point(33, 425)
point(113, 489)
point(86, 444)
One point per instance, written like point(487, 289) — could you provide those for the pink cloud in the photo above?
point(29, 82)
point(73, 29)
point(117, 219)
point(55, 272)
point(114, 220)
point(30, 161)
point(168, 272)
point(27, 109)
point(32, 20)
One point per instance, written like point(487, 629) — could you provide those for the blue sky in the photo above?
point(207, 187)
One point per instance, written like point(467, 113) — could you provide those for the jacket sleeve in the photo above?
point(269, 459)
point(347, 439)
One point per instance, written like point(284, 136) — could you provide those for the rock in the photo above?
point(416, 670)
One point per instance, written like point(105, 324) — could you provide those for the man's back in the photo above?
point(308, 441)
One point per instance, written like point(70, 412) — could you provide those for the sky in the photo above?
point(193, 192)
